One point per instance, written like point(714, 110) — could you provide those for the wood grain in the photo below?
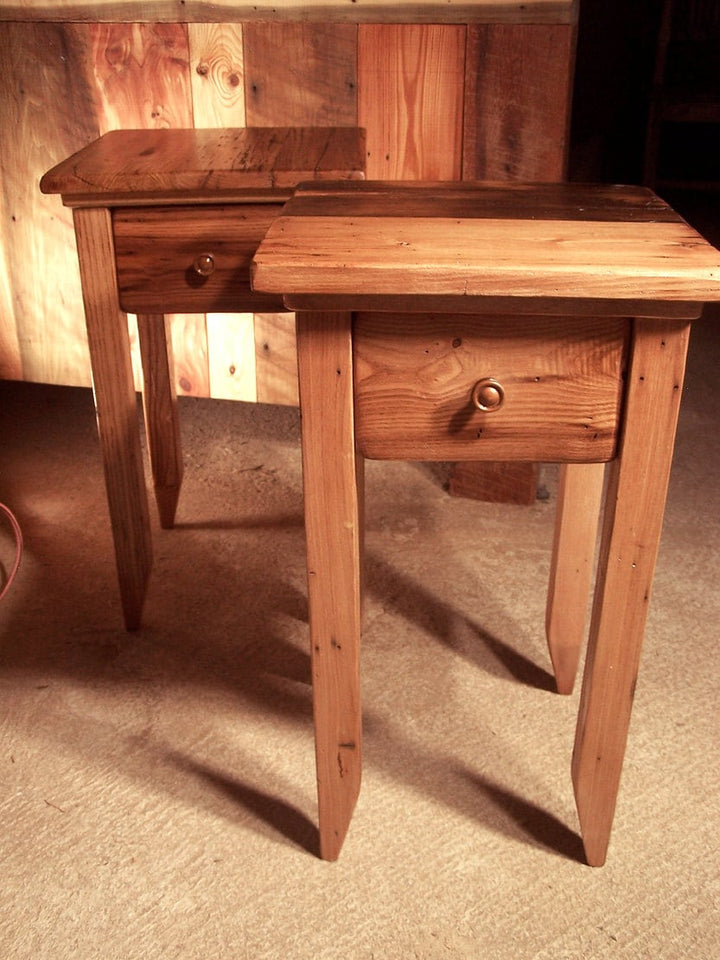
point(231, 356)
point(276, 358)
point(301, 74)
point(658, 261)
point(411, 100)
point(219, 11)
point(161, 413)
point(217, 71)
point(632, 525)
point(332, 493)
point(517, 102)
point(217, 74)
point(140, 79)
point(43, 326)
point(156, 249)
point(117, 413)
point(141, 75)
point(517, 112)
point(573, 560)
point(414, 377)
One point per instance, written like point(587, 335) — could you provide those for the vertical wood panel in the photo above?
point(517, 102)
point(231, 356)
point(141, 75)
point(217, 74)
point(11, 367)
point(46, 115)
point(276, 358)
point(301, 74)
point(411, 81)
point(218, 86)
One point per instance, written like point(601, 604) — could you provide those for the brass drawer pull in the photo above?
point(204, 264)
point(488, 395)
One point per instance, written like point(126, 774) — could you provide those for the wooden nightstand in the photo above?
point(518, 322)
point(168, 221)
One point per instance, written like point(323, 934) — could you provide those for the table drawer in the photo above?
point(551, 387)
point(191, 259)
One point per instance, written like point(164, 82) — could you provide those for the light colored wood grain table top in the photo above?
point(602, 243)
point(157, 165)
point(235, 11)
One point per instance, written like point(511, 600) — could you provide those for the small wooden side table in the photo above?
point(466, 321)
point(167, 221)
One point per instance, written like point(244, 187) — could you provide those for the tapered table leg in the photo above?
point(635, 502)
point(116, 407)
point(331, 479)
point(576, 524)
point(161, 413)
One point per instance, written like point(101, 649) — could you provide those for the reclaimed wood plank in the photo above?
point(301, 74)
point(217, 74)
point(276, 358)
point(517, 103)
point(410, 100)
point(44, 334)
point(220, 11)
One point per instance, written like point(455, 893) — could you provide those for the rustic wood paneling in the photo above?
point(411, 81)
point(276, 358)
point(220, 11)
point(217, 74)
point(517, 102)
point(301, 75)
point(141, 75)
point(47, 108)
point(63, 85)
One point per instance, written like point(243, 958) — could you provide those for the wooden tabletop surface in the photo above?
point(480, 240)
point(156, 163)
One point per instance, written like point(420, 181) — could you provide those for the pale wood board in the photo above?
point(276, 358)
point(44, 324)
point(217, 71)
point(217, 74)
point(231, 356)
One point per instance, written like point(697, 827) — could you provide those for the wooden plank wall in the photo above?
point(438, 101)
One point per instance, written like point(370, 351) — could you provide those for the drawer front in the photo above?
point(449, 387)
point(193, 259)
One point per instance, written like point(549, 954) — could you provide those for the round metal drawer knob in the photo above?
point(204, 264)
point(488, 395)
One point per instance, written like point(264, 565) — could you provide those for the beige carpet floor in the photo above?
point(157, 788)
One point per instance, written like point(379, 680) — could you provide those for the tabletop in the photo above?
point(483, 240)
point(155, 164)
